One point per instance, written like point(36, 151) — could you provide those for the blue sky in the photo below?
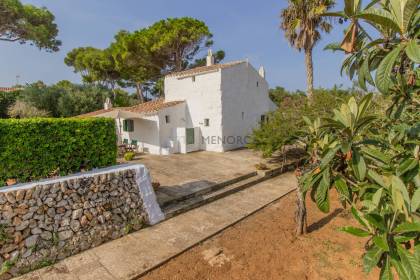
point(244, 29)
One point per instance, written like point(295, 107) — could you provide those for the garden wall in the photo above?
point(47, 221)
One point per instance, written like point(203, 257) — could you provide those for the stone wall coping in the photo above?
point(80, 175)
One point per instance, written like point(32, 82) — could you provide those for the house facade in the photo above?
point(211, 108)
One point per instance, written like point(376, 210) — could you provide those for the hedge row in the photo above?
point(31, 149)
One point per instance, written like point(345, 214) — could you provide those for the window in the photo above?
point(128, 125)
point(190, 136)
point(193, 78)
point(167, 119)
point(206, 122)
point(243, 115)
point(258, 84)
point(263, 118)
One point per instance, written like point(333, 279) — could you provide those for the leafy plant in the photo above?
point(39, 148)
point(129, 156)
point(372, 160)
point(26, 23)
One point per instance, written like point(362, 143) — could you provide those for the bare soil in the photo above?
point(264, 246)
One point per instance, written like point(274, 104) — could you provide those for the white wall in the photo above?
point(203, 99)
point(146, 132)
point(169, 139)
point(243, 103)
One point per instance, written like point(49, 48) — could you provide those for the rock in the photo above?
point(77, 214)
point(62, 203)
point(65, 222)
point(75, 225)
point(84, 221)
point(51, 212)
point(107, 215)
point(20, 195)
point(22, 226)
point(28, 216)
point(46, 235)
point(28, 194)
point(22, 209)
point(31, 241)
point(36, 231)
point(64, 235)
point(16, 221)
point(11, 198)
point(101, 219)
point(3, 199)
point(8, 248)
point(18, 237)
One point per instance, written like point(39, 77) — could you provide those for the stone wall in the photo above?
point(43, 222)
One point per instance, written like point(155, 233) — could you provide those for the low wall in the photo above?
point(47, 221)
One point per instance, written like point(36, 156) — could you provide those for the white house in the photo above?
point(211, 108)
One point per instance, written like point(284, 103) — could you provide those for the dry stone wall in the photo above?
point(44, 222)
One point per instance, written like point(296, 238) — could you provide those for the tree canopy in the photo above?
point(141, 58)
point(25, 23)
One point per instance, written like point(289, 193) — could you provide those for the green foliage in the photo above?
point(6, 100)
point(22, 110)
point(65, 99)
point(285, 125)
point(26, 23)
point(38, 148)
point(141, 58)
point(129, 156)
point(373, 160)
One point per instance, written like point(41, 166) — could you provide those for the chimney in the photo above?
point(210, 58)
point(262, 72)
point(107, 104)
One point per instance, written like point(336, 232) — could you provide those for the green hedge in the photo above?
point(31, 149)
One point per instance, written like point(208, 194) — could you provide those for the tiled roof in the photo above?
point(143, 108)
point(6, 89)
point(205, 69)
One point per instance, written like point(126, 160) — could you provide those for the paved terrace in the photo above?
point(182, 174)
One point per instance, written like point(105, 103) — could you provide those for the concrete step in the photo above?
point(167, 197)
point(178, 207)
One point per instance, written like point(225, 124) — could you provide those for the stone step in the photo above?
point(193, 190)
point(179, 207)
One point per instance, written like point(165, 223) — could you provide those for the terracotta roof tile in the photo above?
point(6, 89)
point(204, 69)
point(144, 108)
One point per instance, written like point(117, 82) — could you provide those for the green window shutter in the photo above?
point(125, 125)
point(128, 125)
point(131, 125)
point(190, 136)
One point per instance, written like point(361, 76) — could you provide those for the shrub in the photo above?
point(285, 124)
point(37, 148)
point(129, 156)
point(23, 110)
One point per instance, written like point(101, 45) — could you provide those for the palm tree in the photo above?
point(302, 23)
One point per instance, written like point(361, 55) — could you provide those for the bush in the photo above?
point(286, 124)
point(38, 148)
point(24, 110)
point(129, 156)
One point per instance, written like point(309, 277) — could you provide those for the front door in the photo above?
point(190, 136)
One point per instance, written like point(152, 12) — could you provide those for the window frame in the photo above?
point(207, 122)
point(128, 125)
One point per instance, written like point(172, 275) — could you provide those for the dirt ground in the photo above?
point(264, 247)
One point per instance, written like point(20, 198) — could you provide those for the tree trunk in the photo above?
point(309, 73)
point(139, 92)
point(301, 215)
